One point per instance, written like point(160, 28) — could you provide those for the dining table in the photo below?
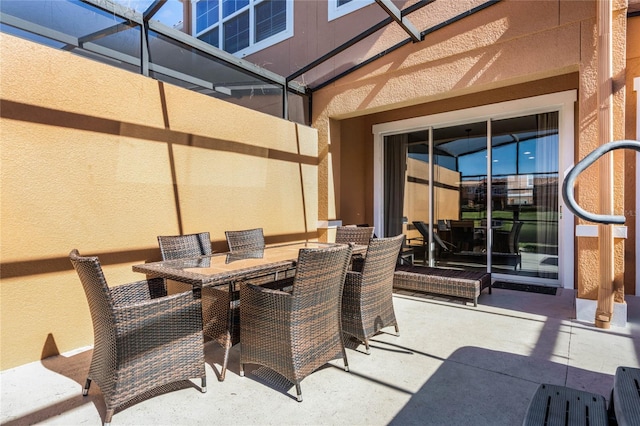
point(225, 267)
point(225, 270)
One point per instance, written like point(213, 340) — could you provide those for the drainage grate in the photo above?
point(531, 288)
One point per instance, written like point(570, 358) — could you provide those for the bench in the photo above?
point(625, 401)
point(554, 405)
point(465, 285)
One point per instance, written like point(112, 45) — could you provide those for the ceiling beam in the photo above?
point(396, 15)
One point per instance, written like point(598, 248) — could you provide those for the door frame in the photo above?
point(562, 102)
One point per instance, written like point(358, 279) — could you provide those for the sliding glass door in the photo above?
point(478, 195)
point(526, 190)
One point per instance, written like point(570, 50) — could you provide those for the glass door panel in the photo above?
point(525, 182)
point(460, 195)
point(417, 204)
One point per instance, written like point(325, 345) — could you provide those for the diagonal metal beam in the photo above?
point(356, 39)
point(404, 42)
point(114, 29)
point(153, 9)
point(396, 15)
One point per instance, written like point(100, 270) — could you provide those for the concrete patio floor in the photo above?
point(451, 365)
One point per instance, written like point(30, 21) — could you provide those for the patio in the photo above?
point(451, 364)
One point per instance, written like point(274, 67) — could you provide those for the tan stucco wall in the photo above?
point(631, 192)
point(104, 160)
point(510, 50)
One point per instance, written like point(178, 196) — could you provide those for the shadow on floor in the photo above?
point(460, 392)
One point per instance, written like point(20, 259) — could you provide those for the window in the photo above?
point(242, 27)
point(338, 8)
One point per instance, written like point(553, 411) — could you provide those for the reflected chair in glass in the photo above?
point(367, 300)
point(140, 343)
point(443, 248)
point(360, 235)
point(462, 232)
point(296, 333)
point(506, 246)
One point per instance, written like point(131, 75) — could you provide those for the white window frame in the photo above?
point(563, 102)
point(253, 47)
point(336, 12)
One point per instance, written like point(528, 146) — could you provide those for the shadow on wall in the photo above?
point(57, 118)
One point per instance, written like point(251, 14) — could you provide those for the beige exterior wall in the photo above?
point(631, 197)
point(514, 49)
point(103, 160)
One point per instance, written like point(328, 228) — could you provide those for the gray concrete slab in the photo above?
point(452, 364)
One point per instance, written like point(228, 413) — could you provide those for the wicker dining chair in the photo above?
point(296, 333)
point(184, 246)
point(354, 234)
point(140, 343)
point(219, 311)
point(360, 235)
point(367, 300)
point(245, 240)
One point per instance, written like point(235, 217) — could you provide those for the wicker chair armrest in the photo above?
point(164, 318)
point(261, 290)
point(130, 293)
point(284, 284)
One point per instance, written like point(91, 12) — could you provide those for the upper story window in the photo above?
point(338, 8)
point(242, 27)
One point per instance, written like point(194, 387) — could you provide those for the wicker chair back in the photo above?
point(184, 246)
point(245, 240)
point(353, 234)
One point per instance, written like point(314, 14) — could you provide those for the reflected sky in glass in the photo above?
point(169, 14)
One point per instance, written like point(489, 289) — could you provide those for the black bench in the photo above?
point(554, 405)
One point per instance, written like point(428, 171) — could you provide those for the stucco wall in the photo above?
point(512, 49)
point(103, 160)
point(631, 196)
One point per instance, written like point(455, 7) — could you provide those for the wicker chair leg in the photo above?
point(397, 330)
point(241, 370)
point(108, 416)
point(366, 346)
point(203, 387)
point(299, 392)
point(344, 358)
point(85, 390)
point(225, 361)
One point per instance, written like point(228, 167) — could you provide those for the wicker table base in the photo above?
point(448, 282)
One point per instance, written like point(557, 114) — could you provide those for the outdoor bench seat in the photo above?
point(554, 405)
point(466, 285)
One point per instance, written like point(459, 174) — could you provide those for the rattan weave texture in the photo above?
point(367, 301)
point(217, 302)
point(447, 282)
point(354, 234)
point(360, 235)
point(296, 333)
point(140, 343)
point(245, 240)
